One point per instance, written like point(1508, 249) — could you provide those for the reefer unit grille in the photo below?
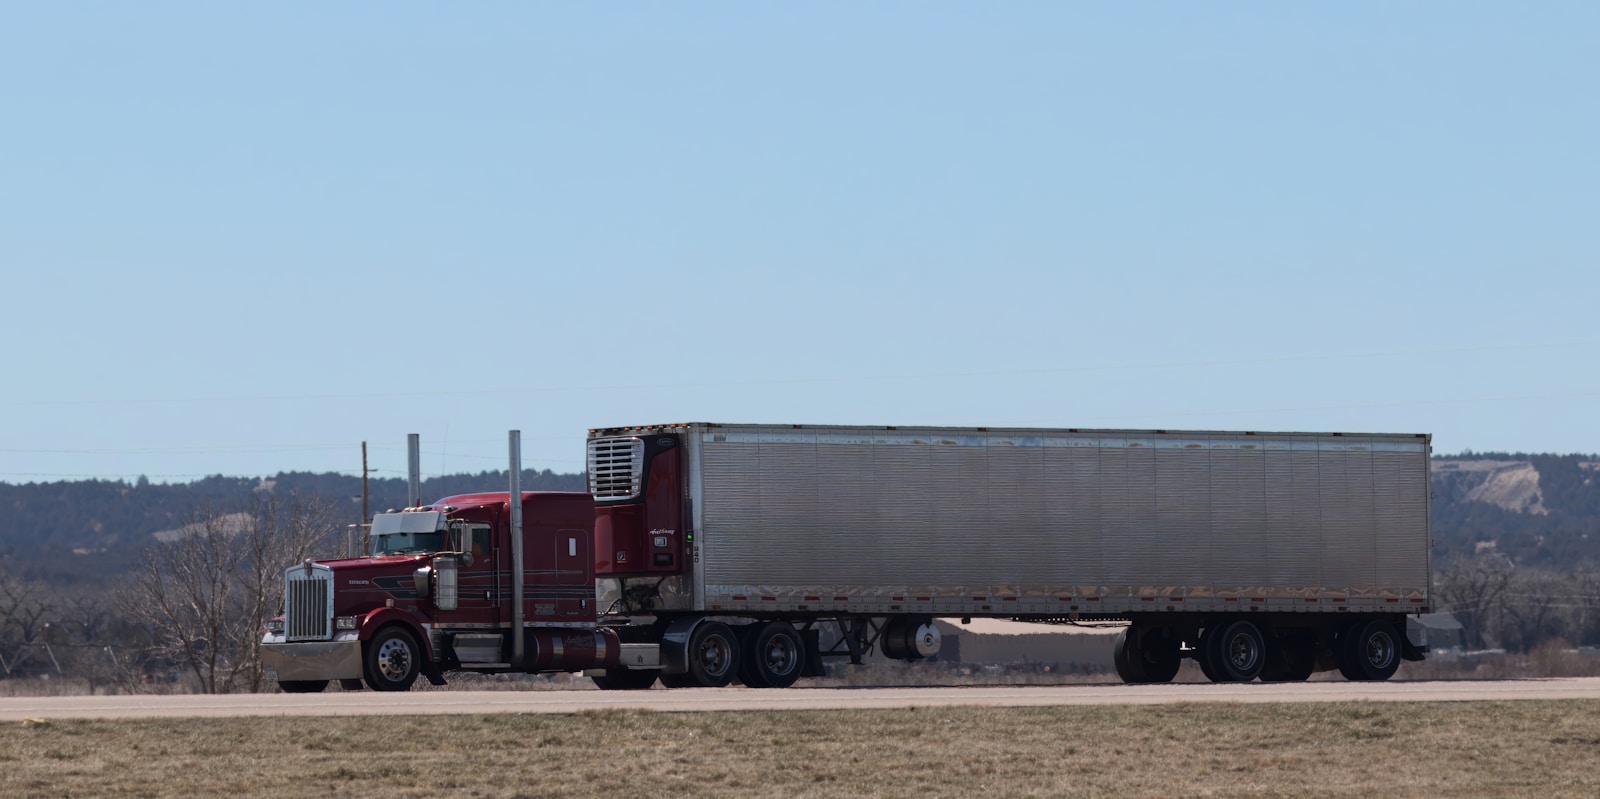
point(615, 467)
point(308, 603)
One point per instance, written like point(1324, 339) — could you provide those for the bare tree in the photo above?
point(1472, 589)
point(206, 593)
point(278, 537)
point(1587, 624)
point(1535, 607)
point(25, 612)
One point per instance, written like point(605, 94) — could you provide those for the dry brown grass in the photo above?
point(1531, 749)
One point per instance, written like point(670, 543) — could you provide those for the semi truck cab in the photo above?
point(437, 594)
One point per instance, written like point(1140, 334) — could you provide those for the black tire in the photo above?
point(1128, 658)
point(1369, 651)
point(713, 655)
point(774, 656)
point(1147, 655)
point(1291, 657)
point(678, 681)
point(627, 679)
point(303, 686)
point(1204, 660)
point(1161, 656)
point(391, 660)
point(352, 685)
point(1235, 650)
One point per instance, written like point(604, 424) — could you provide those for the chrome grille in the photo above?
point(615, 467)
point(308, 603)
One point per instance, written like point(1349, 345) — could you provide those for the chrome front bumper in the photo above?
point(339, 659)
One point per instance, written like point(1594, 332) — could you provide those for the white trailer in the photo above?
point(1255, 553)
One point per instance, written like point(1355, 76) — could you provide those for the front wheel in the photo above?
point(391, 660)
point(303, 686)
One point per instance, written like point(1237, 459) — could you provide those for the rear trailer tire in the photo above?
point(1289, 660)
point(713, 655)
point(1161, 656)
point(1235, 650)
point(1369, 651)
point(303, 686)
point(1200, 657)
point(1127, 657)
point(1147, 655)
point(627, 679)
point(391, 660)
point(774, 657)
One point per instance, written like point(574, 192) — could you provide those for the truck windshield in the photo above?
point(406, 543)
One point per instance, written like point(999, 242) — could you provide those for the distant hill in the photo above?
point(1538, 510)
point(87, 530)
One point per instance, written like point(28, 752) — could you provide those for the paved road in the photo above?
point(338, 703)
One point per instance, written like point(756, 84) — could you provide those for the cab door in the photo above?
point(574, 581)
point(478, 597)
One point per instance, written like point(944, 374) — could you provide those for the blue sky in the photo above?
point(242, 241)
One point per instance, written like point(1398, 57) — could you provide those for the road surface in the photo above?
point(356, 703)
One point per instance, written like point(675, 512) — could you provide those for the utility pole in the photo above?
point(365, 515)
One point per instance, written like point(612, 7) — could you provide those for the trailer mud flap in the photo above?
point(813, 662)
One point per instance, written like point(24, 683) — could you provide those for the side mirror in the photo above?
point(444, 582)
point(422, 579)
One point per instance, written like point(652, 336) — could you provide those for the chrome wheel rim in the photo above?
point(1243, 652)
point(394, 659)
point(715, 655)
point(781, 655)
point(1380, 651)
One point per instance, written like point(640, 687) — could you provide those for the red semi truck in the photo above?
point(707, 553)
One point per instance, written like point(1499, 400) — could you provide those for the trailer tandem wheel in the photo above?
point(1291, 656)
point(1234, 650)
point(1147, 655)
point(1369, 651)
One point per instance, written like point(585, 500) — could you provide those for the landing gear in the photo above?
point(303, 686)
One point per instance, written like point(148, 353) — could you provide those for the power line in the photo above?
point(799, 380)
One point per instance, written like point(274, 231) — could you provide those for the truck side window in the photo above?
point(480, 542)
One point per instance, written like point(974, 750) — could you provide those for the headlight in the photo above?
point(345, 622)
point(275, 626)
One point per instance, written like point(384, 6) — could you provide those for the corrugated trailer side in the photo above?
point(1027, 522)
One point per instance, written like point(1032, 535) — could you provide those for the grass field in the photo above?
point(1531, 749)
